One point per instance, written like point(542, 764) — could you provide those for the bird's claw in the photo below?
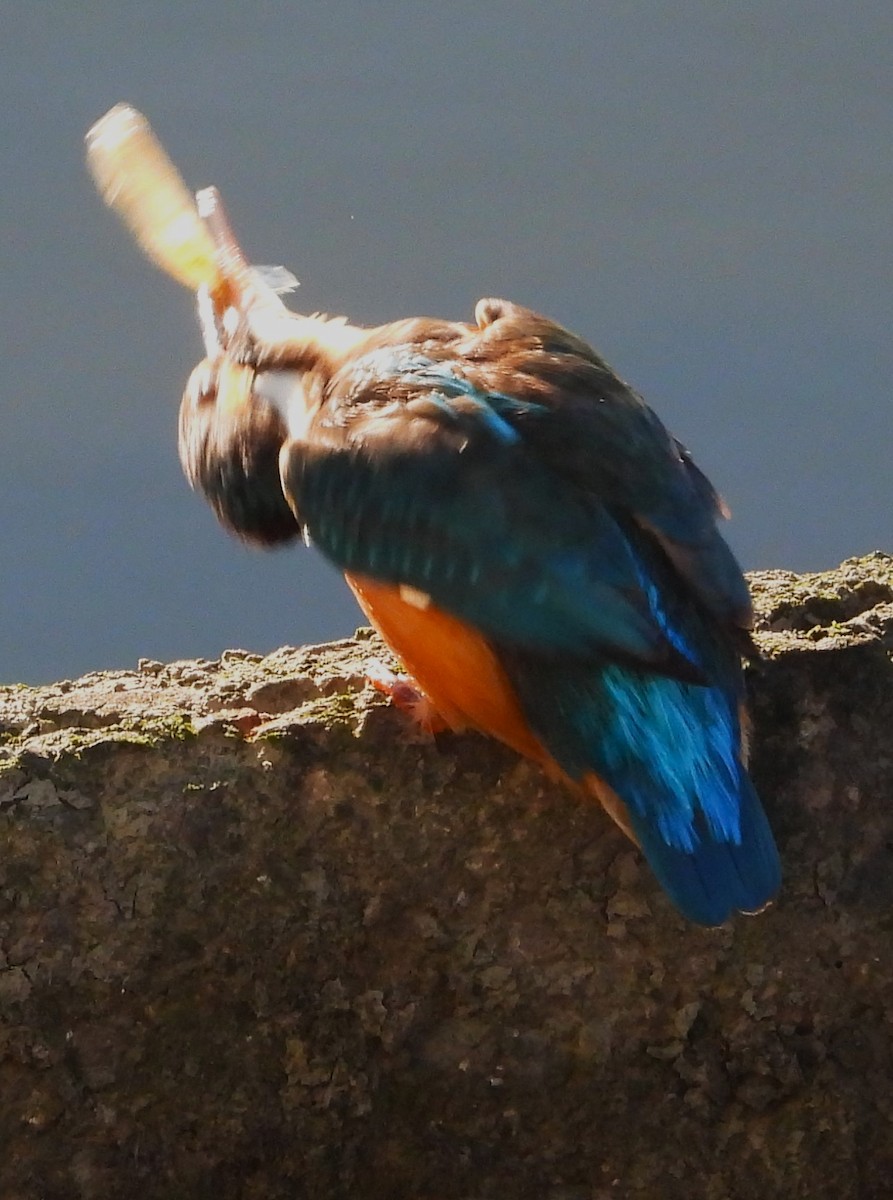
point(406, 696)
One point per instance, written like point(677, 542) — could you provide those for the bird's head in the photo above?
point(262, 378)
point(229, 440)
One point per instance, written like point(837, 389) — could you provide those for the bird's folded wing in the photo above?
point(444, 494)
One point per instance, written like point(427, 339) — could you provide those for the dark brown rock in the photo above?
point(260, 939)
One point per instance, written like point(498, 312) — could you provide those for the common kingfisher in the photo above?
point(527, 537)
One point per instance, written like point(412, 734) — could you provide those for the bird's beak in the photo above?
point(190, 239)
point(227, 313)
point(136, 178)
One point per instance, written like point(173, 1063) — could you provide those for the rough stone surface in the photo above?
point(260, 939)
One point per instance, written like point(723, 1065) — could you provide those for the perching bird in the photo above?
point(536, 548)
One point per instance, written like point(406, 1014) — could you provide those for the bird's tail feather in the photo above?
point(664, 758)
point(717, 877)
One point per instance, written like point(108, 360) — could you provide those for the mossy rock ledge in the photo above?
point(259, 938)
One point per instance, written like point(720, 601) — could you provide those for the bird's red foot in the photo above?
point(403, 694)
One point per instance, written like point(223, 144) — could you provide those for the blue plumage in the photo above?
point(672, 750)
